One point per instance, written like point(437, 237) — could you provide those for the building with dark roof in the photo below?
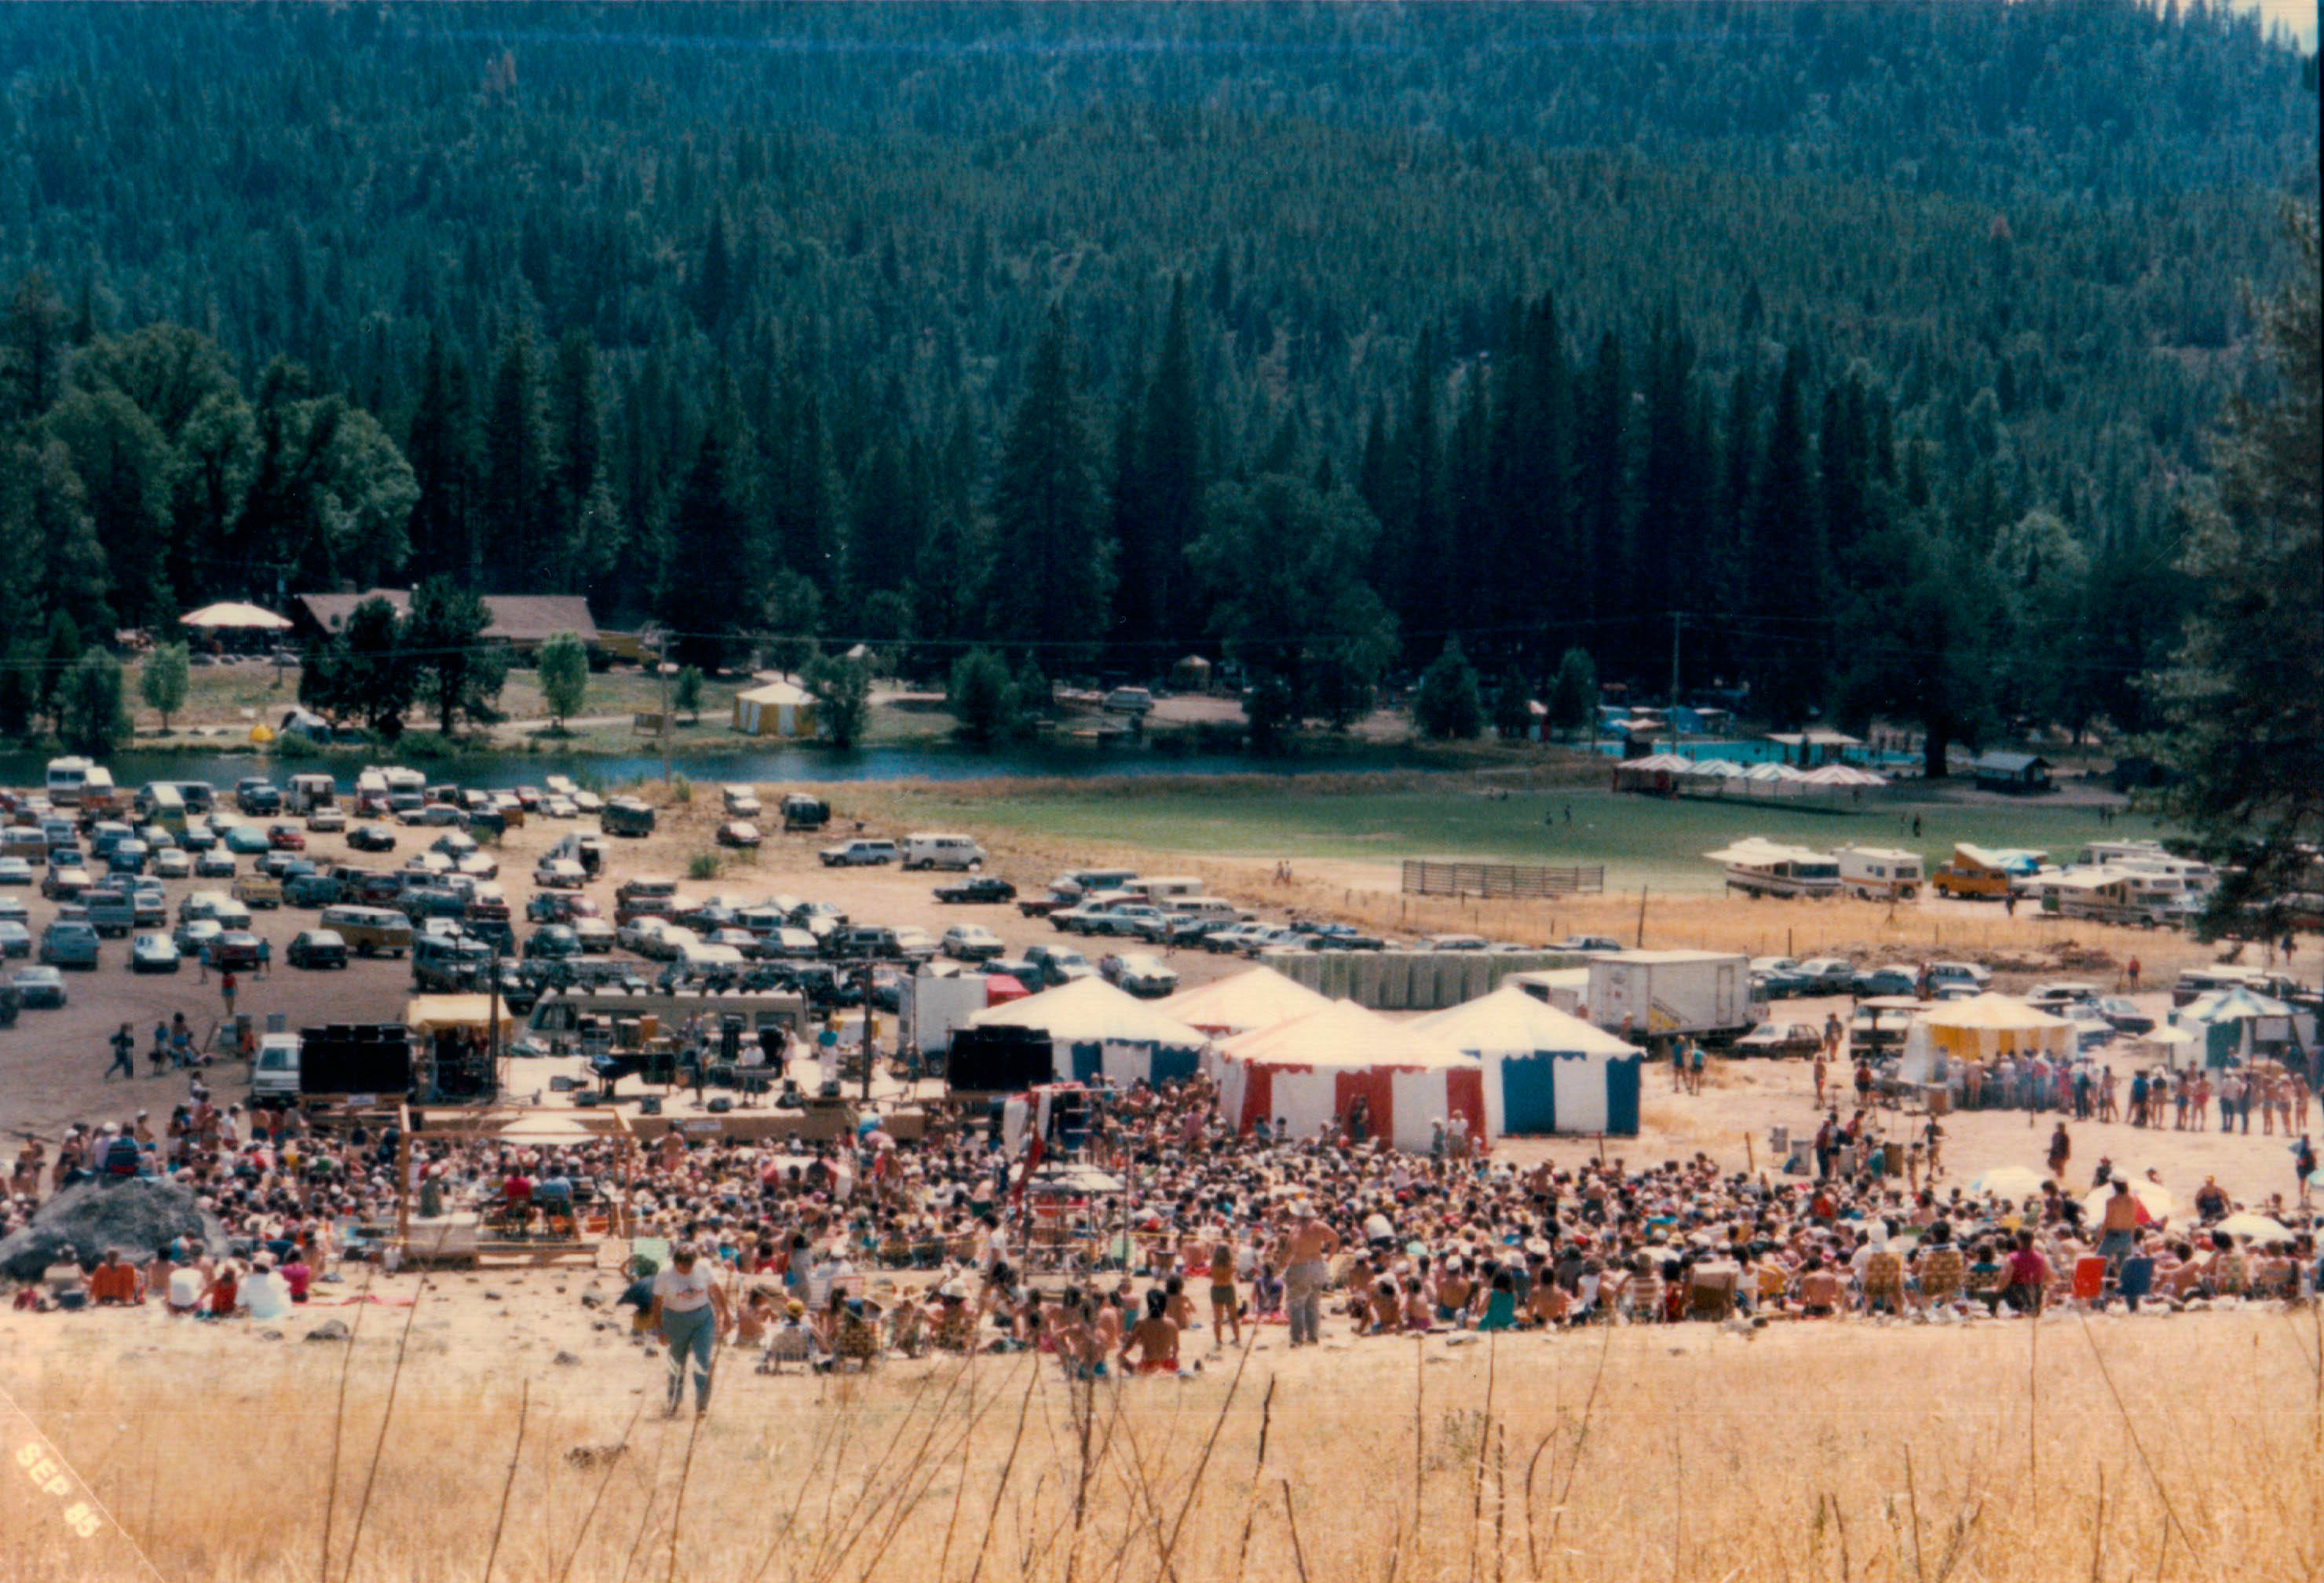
point(522, 621)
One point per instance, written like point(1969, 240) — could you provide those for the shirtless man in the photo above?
point(1301, 1252)
point(2120, 1224)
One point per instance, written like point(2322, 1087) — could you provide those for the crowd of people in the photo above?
point(831, 1255)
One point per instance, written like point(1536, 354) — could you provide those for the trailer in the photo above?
point(1880, 873)
point(1703, 995)
point(1757, 866)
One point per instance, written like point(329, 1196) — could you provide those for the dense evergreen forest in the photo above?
point(1870, 348)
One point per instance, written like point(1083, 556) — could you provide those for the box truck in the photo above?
point(1704, 994)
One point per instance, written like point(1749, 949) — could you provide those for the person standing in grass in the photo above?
point(1226, 1316)
point(688, 1312)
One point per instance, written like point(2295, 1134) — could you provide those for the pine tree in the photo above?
point(518, 502)
point(1045, 510)
point(442, 449)
point(1449, 704)
point(1169, 497)
point(703, 599)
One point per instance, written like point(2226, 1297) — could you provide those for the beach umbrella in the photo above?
point(2155, 1201)
point(2008, 1181)
point(2257, 1228)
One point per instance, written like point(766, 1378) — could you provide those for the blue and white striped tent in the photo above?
point(1545, 1071)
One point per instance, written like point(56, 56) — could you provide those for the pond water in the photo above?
point(921, 760)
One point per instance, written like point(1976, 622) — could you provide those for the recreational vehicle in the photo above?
point(1760, 867)
point(1880, 873)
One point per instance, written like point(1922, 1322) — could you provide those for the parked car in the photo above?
point(560, 874)
point(235, 950)
point(739, 833)
point(1229, 941)
point(368, 837)
point(191, 936)
point(2091, 1028)
point(217, 863)
point(2054, 997)
point(1883, 981)
point(69, 944)
point(312, 889)
point(972, 942)
point(1941, 973)
point(173, 862)
point(64, 884)
point(860, 852)
point(1058, 964)
point(1339, 936)
point(1778, 1039)
point(2124, 1013)
point(15, 939)
point(39, 987)
point(286, 837)
point(16, 871)
point(328, 821)
point(153, 953)
point(983, 887)
point(257, 796)
point(1588, 945)
point(316, 947)
point(1826, 976)
point(1452, 942)
point(596, 935)
point(244, 841)
point(1140, 973)
point(1776, 978)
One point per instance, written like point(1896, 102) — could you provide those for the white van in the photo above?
point(925, 851)
point(66, 776)
point(741, 801)
point(276, 1074)
point(1165, 888)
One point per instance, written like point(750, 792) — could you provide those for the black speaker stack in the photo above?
point(355, 1058)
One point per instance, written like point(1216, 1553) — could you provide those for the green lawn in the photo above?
point(1638, 839)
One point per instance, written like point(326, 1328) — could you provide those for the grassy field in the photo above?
point(1639, 840)
point(2108, 1448)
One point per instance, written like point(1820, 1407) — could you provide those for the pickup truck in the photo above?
point(1042, 906)
point(112, 913)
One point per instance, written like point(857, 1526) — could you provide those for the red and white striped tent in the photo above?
point(1244, 1004)
point(1313, 1070)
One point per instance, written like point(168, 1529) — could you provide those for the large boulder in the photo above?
point(137, 1216)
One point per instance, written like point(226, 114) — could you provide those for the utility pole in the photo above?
point(866, 971)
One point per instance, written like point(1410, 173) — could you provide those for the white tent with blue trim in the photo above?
point(1545, 1071)
point(1098, 1033)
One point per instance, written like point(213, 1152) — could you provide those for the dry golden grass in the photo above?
point(2184, 1447)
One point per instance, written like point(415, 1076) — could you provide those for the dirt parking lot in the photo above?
point(53, 1063)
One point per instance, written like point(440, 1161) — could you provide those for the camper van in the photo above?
point(66, 778)
point(559, 1023)
point(626, 816)
point(2112, 895)
point(1757, 866)
point(1166, 890)
point(369, 931)
point(98, 795)
point(164, 805)
point(1880, 873)
point(923, 850)
point(311, 792)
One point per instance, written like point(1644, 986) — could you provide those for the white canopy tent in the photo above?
point(232, 616)
point(1260, 998)
point(1095, 1030)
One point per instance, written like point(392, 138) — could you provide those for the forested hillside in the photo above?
point(1874, 341)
